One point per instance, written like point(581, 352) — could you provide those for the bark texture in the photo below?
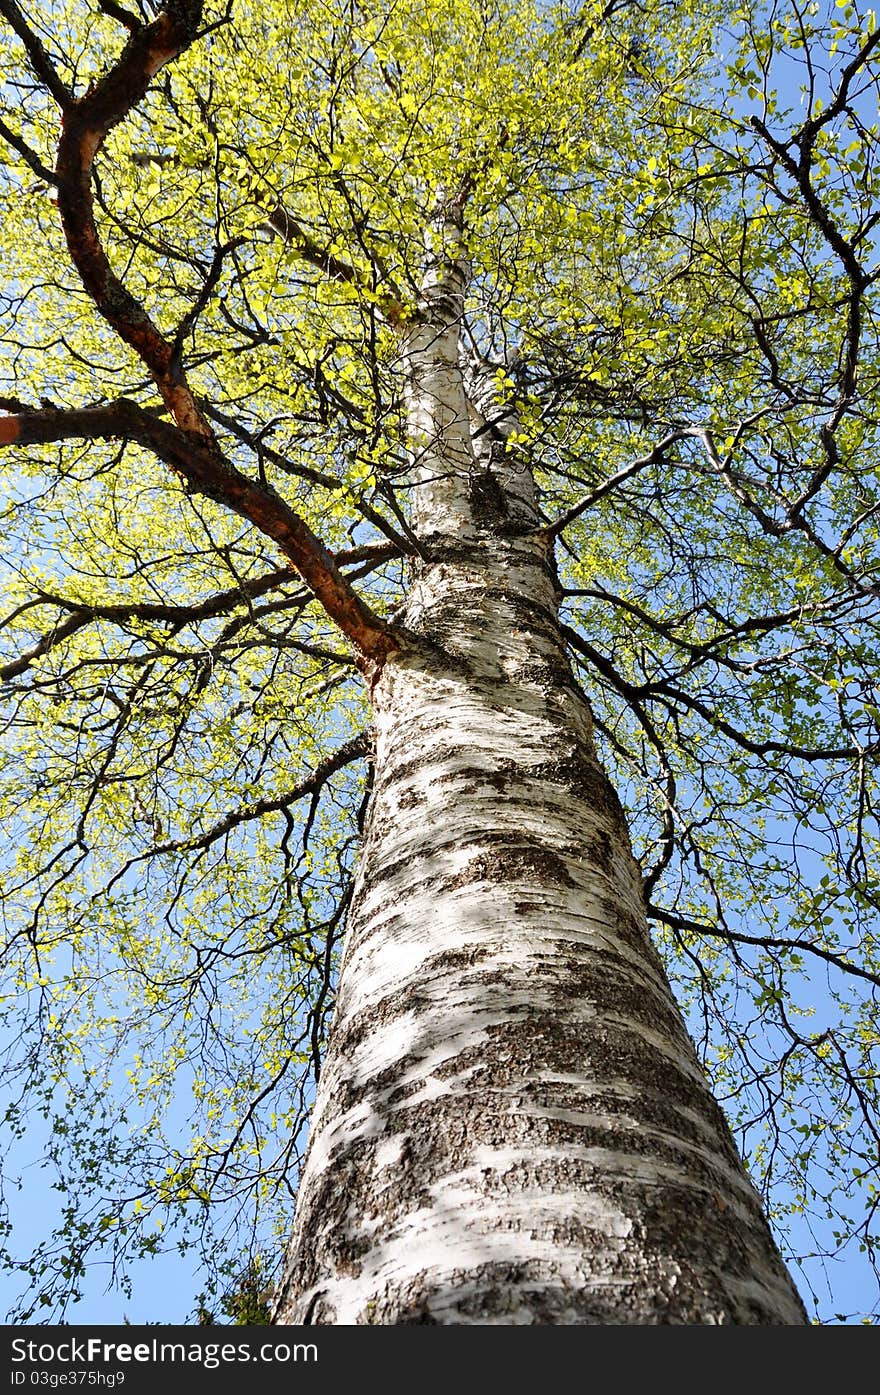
point(512, 1126)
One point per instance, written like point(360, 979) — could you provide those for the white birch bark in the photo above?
point(511, 1126)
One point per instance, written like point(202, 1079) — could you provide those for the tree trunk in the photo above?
point(511, 1125)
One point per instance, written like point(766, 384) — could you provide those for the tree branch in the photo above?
point(207, 472)
point(697, 927)
point(662, 691)
point(30, 157)
point(351, 750)
point(799, 172)
point(86, 125)
point(653, 458)
point(262, 451)
point(118, 12)
point(37, 55)
point(190, 447)
point(282, 222)
point(82, 613)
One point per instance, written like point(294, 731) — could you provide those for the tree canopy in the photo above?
point(215, 221)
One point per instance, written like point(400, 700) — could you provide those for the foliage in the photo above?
point(670, 211)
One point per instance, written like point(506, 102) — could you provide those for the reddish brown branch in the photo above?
point(189, 446)
point(207, 472)
point(85, 126)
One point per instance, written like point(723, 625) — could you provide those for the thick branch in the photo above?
point(207, 472)
point(120, 13)
point(192, 450)
point(84, 129)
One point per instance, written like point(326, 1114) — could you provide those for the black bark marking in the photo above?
point(601, 852)
point(489, 505)
point(545, 1059)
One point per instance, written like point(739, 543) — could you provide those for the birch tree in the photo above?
point(439, 662)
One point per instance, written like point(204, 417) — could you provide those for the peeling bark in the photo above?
point(512, 1126)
